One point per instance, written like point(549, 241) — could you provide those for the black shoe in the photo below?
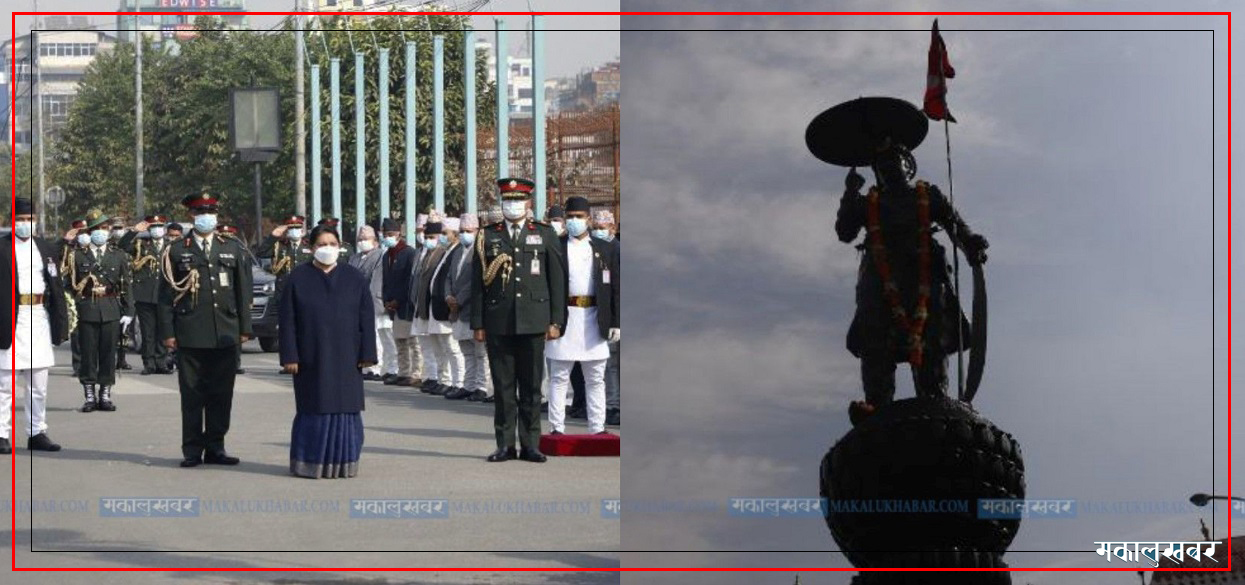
point(429, 386)
point(148, 370)
point(370, 377)
point(400, 381)
point(533, 455)
point(502, 455)
point(611, 417)
point(439, 390)
point(5, 447)
point(191, 462)
point(41, 442)
point(240, 371)
point(457, 394)
point(555, 433)
point(88, 390)
point(105, 399)
point(219, 458)
point(487, 399)
point(165, 370)
point(124, 366)
point(388, 378)
point(476, 396)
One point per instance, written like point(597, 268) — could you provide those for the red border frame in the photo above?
point(13, 262)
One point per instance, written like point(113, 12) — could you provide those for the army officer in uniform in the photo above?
point(99, 280)
point(146, 252)
point(205, 312)
point(518, 302)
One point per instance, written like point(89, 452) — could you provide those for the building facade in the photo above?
point(64, 56)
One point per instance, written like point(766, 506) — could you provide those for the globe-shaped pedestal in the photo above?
point(903, 489)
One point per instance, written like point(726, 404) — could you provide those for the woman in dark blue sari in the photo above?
point(327, 336)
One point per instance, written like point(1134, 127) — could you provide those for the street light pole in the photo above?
point(139, 201)
point(300, 140)
point(1203, 499)
point(41, 211)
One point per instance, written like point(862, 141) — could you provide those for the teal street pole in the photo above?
point(538, 113)
point(316, 196)
point(438, 121)
point(335, 109)
point(469, 80)
point(382, 85)
point(503, 103)
point(360, 141)
point(408, 212)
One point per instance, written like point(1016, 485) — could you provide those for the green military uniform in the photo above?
point(123, 340)
point(231, 231)
point(99, 278)
point(518, 291)
point(67, 247)
point(146, 254)
point(285, 255)
point(205, 304)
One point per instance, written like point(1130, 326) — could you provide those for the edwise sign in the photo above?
point(204, 4)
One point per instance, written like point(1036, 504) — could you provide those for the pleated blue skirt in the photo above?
point(326, 445)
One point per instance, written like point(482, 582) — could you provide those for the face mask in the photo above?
point(601, 234)
point(467, 239)
point(514, 210)
point(205, 223)
point(444, 240)
point(294, 234)
point(576, 226)
point(367, 245)
point(99, 237)
point(24, 229)
point(156, 232)
point(557, 227)
point(430, 244)
point(327, 254)
point(389, 241)
point(84, 239)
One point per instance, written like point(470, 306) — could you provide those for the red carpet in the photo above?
point(581, 445)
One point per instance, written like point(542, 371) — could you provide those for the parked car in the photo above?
point(263, 307)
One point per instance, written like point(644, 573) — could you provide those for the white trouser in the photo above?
point(594, 392)
point(446, 353)
point(35, 382)
point(386, 346)
point(475, 366)
point(428, 355)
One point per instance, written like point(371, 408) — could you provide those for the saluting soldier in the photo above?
point(145, 244)
point(518, 303)
point(205, 312)
point(116, 232)
point(99, 280)
point(286, 248)
point(77, 237)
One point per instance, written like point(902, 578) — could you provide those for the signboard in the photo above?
point(194, 4)
point(185, 31)
point(255, 122)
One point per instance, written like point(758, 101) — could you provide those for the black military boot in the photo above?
point(105, 399)
point(89, 391)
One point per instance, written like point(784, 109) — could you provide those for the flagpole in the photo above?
point(955, 233)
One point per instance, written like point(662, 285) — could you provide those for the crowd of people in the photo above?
point(496, 308)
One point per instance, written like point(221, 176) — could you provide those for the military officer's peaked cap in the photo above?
point(96, 218)
point(328, 220)
point(515, 188)
point(200, 202)
point(156, 220)
point(229, 229)
point(78, 224)
point(295, 220)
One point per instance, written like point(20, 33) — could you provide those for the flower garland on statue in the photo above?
point(916, 327)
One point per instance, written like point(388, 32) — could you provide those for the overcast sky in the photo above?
point(1084, 157)
point(573, 43)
